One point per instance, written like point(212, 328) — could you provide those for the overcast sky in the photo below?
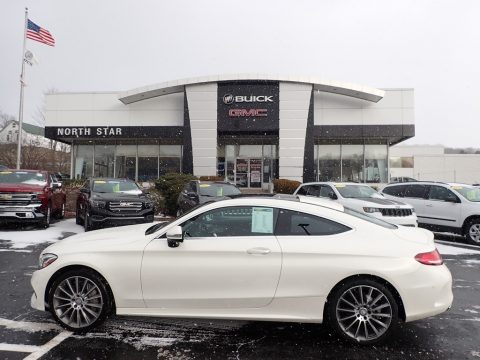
point(115, 45)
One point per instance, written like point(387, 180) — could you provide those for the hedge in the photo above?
point(170, 185)
point(285, 186)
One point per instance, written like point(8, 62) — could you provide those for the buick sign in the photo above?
point(228, 99)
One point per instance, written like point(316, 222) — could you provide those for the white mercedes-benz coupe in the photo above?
point(289, 258)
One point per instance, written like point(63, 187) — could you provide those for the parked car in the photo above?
point(30, 196)
point(199, 192)
point(442, 207)
point(401, 179)
point(362, 198)
point(279, 259)
point(3, 167)
point(112, 202)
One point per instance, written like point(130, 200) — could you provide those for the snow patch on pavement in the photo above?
point(455, 250)
point(20, 239)
point(28, 326)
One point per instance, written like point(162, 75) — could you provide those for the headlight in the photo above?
point(98, 203)
point(148, 205)
point(371, 210)
point(46, 259)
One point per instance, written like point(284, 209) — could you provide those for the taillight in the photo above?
point(430, 258)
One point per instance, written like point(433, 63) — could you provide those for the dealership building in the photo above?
point(248, 129)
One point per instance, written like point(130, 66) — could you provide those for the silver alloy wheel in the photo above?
point(474, 232)
point(364, 312)
point(77, 301)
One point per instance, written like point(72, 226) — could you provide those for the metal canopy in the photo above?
point(171, 87)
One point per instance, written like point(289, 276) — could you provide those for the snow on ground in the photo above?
point(22, 238)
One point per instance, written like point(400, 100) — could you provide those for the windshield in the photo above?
point(214, 190)
point(156, 227)
point(23, 177)
point(116, 186)
point(369, 218)
point(357, 191)
point(468, 192)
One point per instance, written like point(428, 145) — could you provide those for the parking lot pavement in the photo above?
point(30, 334)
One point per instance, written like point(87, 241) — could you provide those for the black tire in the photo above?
point(45, 223)
point(79, 300)
point(78, 219)
point(87, 223)
point(472, 231)
point(354, 314)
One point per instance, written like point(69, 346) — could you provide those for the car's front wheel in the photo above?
point(79, 300)
point(472, 233)
point(363, 311)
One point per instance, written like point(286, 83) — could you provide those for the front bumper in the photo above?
point(26, 213)
point(410, 220)
point(102, 217)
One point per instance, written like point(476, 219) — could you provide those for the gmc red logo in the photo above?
point(247, 113)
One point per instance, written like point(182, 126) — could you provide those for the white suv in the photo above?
point(362, 198)
point(442, 207)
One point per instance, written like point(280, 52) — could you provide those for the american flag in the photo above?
point(37, 33)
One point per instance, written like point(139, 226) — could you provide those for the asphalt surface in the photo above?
point(32, 334)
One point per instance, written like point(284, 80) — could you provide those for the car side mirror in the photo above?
point(56, 185)
point(332, 196)
point(85, 191)
point(174, 236)
point(192, 195)
point(452, 199)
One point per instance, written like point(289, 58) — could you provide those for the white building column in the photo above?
point(202, 107)
point(294, 105)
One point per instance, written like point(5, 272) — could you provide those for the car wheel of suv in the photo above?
point(79, 300)
point(472, 231)
point(87, 223)
point(363, 311)
point(78, 219)
point(61, 212)
point(46, 219)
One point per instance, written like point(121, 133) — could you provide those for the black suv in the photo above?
point(112, 202)
point(199, 192)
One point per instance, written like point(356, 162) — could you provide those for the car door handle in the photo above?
point(258, 251)
point(429, 205)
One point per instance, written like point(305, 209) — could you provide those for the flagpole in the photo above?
point(22, 85)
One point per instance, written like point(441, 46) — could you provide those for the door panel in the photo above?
point(441, 212)
point(211, 272)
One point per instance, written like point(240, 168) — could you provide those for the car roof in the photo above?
point(114, 179)
point(333, 183)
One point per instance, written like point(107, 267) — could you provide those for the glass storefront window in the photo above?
point(376, 158)
point(352, 163)
point(328, 157)
point(401, 162)
point(148, 162)
point(170, 159)
point(104, 160)
point(126, 161)
point(83, 161)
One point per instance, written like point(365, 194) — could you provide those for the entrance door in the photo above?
point(248, 172)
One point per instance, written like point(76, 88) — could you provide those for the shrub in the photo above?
point(170, 186)
point(285, 186)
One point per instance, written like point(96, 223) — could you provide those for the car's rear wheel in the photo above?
point(45, 223)
point(79, 300)
point(363, 311)
point(78, 219)
point(472, 233)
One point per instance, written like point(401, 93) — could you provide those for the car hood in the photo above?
point(379, 201)
point(8, 187)
point(99, 240)
point(118, 197)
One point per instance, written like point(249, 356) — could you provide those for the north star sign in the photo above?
point(89, 131)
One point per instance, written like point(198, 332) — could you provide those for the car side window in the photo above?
point(440, 193)
point(303, 190)
point(314, 190)
point(397, 190)
point(231, 222)
point(415, 191)
point(296, 223)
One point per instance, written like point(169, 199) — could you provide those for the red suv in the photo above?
point(30, 196)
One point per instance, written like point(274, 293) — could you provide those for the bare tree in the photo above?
point(5, 118)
